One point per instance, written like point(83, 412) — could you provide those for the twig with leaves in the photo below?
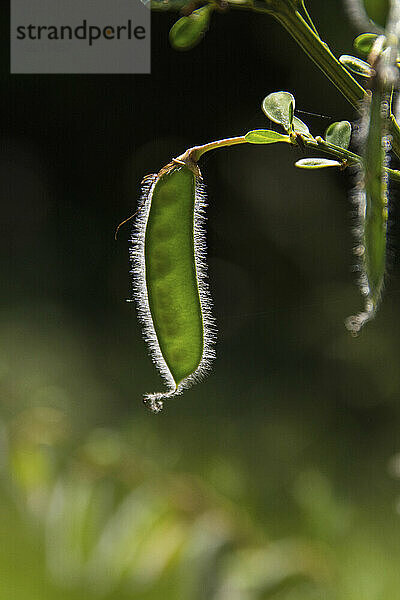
point(170, 285)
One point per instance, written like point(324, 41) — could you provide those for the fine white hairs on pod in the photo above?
point(371, 199)
point(170, 284)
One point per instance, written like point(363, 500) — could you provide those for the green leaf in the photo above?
point(265, 136)
point(300, 127)
point(377, 10)
point(316, 163)
point(356, 65)
point(279, 107)
point(188, 31)
point(364, 42)
point(339, 134)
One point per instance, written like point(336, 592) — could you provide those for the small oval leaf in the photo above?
point(339, 134)
point(364, 43)
point(279, 107)
point(356, 65)
point(300, 127)
point(316, 163)
point(377, 10)
point(188, 31)
point(265, 136)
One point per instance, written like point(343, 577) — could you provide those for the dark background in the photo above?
point(288, 450)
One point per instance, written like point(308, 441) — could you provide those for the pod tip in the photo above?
point(355, 323)
point(154, 402)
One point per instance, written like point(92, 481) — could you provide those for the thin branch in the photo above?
point(192, 155)
point(286, 13)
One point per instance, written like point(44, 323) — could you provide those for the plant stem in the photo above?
point(310, 21)
point(350, 157)
point(321, 55)
point(310, 42)
point(320, 144)
point(192, 155)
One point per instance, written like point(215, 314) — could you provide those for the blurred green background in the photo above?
point(279, 476)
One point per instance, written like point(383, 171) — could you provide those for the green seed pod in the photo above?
point(371, 196)
point(170, 286)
